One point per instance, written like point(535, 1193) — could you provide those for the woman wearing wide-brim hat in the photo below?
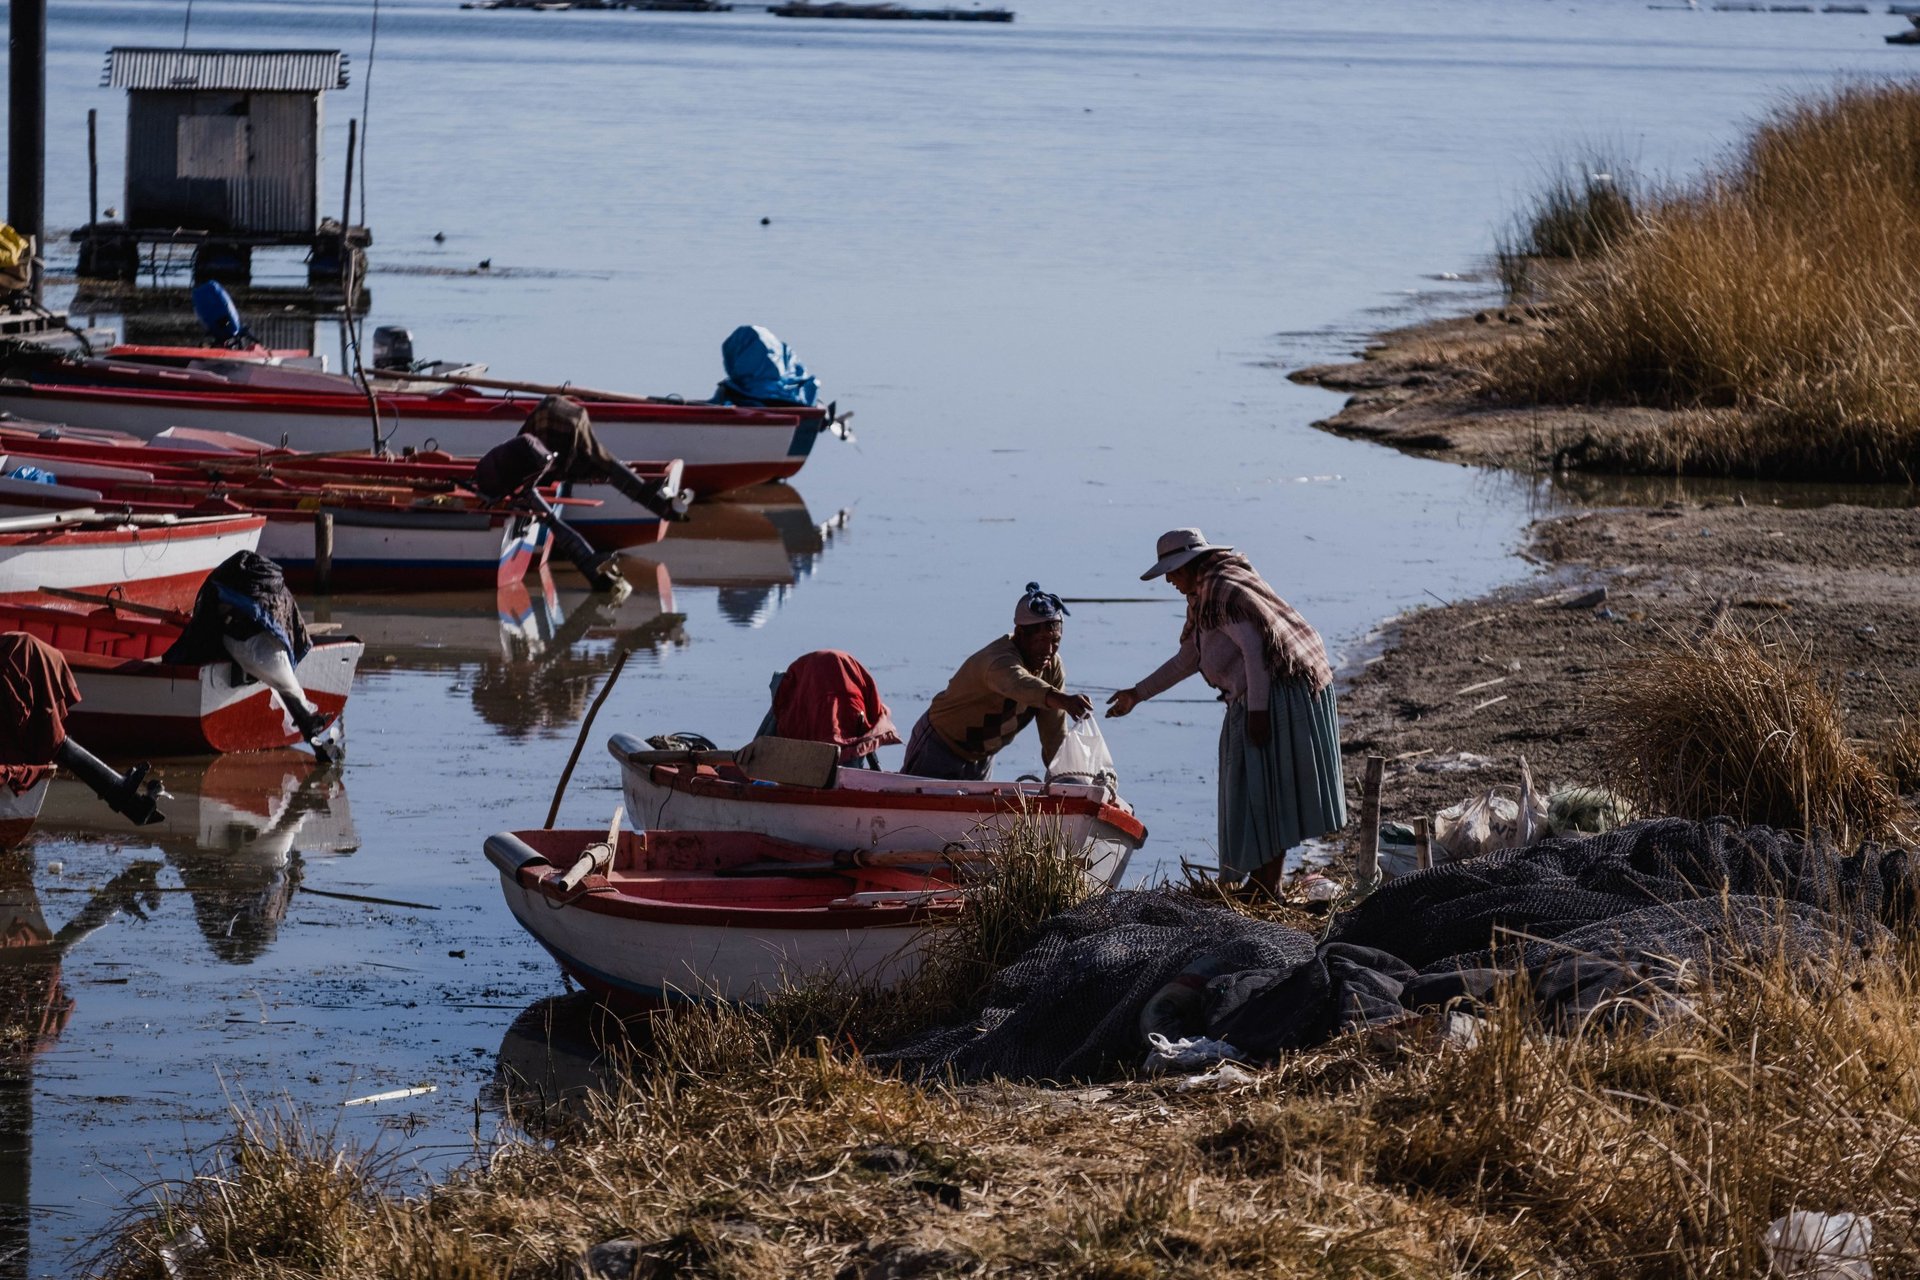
point(1280, 777)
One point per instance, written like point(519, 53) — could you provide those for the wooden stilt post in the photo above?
point(1370, 786)
point(323, 552)
point(93, 166)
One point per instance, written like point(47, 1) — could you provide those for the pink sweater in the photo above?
point(1230, 658)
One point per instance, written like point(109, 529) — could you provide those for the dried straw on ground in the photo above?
point(1733, 724)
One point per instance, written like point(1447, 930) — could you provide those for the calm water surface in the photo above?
point(1058, 268)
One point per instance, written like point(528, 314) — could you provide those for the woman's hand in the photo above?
point(1077, 705)
point(1121, 702)
point(1259, 727)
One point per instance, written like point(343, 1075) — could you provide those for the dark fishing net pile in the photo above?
point(1598, 924)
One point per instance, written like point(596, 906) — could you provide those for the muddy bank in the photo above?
point(1461, 692)
point(1421, 390)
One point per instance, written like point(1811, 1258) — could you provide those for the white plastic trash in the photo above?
point(1820, 1246)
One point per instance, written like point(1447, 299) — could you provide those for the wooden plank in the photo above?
point(1423, 842)
point(1370, 821)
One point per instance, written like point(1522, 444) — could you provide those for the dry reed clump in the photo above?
point(1782, 287)
point(1583, 210)
point(1729, 724)
point(1899, 752)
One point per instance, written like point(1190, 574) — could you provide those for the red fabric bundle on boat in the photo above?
point(36, 690)
point(827, 696)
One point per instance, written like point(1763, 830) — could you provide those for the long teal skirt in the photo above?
point(1274, 797)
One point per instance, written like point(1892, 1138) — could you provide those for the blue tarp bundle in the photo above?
point(761, 370)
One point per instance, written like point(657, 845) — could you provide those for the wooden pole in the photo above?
point(346, 204)
point(553, 810)
point(1423, 843)
point(93, 166)
point(1370, 787)
point(323, 552)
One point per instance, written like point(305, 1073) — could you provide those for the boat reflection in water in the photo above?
point(34, 1010)
point(529, 659)
point(236, 831)
point(755, 546)
point(558, 1051)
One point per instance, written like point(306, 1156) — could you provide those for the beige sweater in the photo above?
point(992, 697)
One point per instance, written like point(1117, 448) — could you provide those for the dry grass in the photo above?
point(1740, 725)
point(738, 1153)
point(1781, 288)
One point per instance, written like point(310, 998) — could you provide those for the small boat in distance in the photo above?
point(885, 12)
point(665, 917)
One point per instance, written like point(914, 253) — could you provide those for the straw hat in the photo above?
point(1175, 548)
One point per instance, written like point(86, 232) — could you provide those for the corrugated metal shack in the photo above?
point(224, 139)
point(223, 153)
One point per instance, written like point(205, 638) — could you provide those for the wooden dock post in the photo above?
point(323, 552)
point(1370, 786)
point(93, 166)
point(1423, 843)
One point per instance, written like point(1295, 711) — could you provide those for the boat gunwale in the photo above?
point(1047, 805)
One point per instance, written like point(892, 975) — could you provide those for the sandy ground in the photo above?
point(1461, 693)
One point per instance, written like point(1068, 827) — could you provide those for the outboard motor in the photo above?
point(393, 348)
point(213, 307)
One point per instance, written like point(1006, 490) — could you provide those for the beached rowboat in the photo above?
point(157, 560)
point(872, 809)
point(671, 916)
point(133, 703)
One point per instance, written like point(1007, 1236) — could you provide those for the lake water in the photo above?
point(1058, 267)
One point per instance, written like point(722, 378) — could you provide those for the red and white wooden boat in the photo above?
point(183, 459)
point(19, 810)
point(396, 525)
point(725, 447)
point(670, 916)
point(153, 559)
point(873, 809)
point(132, 703)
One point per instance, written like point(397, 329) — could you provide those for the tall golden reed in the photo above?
point(1786, 286)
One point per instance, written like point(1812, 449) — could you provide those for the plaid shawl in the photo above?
point(1230, 590)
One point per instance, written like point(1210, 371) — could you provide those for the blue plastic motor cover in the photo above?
point(761, 370)
point(214, 308)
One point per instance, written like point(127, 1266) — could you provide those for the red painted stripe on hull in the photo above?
point(14, 830)
point(174, 592)
point(713, 478)
point(256, 724)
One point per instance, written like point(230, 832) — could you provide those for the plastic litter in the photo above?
point(1225, 1076)
point(1184, 1054)
point(1820, 1246)
point(1083, 758)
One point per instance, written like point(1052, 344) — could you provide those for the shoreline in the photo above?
point(1455, 695)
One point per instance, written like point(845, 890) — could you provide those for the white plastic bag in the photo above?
point(1083, 758)
point(1820, 1246)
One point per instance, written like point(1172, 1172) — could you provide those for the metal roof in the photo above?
point(260, 70)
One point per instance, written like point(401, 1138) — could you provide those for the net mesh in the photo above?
point(1587, 919)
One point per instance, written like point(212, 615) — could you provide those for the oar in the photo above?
point(503, 384)
point(174, 616)
point(854, 859)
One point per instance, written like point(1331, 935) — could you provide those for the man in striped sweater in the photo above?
point(1013, 682)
